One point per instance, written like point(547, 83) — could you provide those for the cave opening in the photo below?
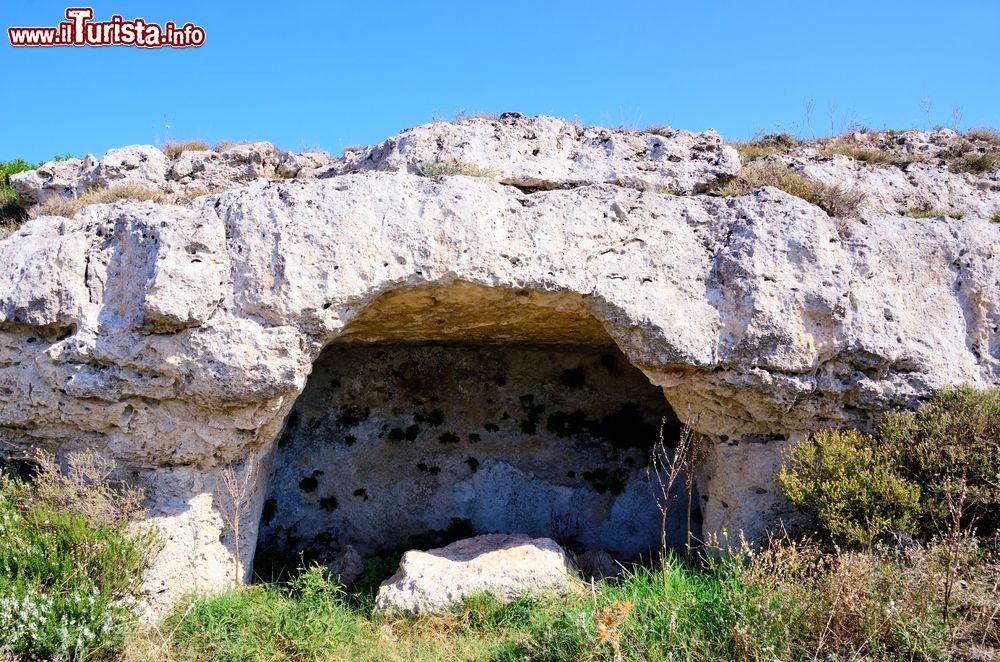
point(445, 412)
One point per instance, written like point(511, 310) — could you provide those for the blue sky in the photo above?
point(335, 73)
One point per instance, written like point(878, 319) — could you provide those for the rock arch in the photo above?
point(177, 338)
point(451, 408)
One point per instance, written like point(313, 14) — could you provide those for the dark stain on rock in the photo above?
point(573, 378)
point(270, 510)
point(603, 480)
point(351, 415)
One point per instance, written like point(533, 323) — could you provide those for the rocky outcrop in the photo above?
point(902, 173)
point(504, 566)
point(176, 338)
point(548, 153)
point(189, 174)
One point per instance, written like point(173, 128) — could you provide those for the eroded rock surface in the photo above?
point(546, 153)
point(499, 564)
point(177, 338)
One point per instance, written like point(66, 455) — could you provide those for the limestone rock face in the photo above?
point(503, 565)
point(177, 338)
point(546, 153)
point(917, 176)
point(190, 174)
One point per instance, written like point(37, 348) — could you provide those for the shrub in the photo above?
point(11, 212)
point(834, 200)
point(995, 218)
point(71, 565)
point(951, 448)
point(922, 471)
point(448, 168)
point(975, 162)
point(849, 484)
point(174, 149)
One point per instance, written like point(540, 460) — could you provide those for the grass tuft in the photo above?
point(765, 145)
point(834, 200)
point(984, 134)
point(174, 149)
point(930, 212)
point(450, 168)
point(975, 162)
point(68, 207)
point(995, 218)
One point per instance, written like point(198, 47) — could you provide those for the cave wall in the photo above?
point(399, 445)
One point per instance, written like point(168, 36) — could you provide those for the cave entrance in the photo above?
point(443, 412)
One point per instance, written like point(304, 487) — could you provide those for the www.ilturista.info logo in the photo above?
point(80, 30)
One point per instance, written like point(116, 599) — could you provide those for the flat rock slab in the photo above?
point(500, 564)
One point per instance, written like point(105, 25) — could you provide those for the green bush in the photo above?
point(919, 470)
point(850, 484)
point(951, 448)
point(10, 211)
point(70, 566)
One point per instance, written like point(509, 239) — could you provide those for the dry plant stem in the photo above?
point(956, 509)
point(666, 468)
point(235, 504)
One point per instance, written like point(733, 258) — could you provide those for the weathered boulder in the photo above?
point(187, 175)
point(176, 339)
point(548, 153)
point(502, 565)
point(68, 178)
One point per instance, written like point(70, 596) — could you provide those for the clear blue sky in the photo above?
point(337, 73)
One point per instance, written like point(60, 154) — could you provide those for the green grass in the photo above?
point(788, 602)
